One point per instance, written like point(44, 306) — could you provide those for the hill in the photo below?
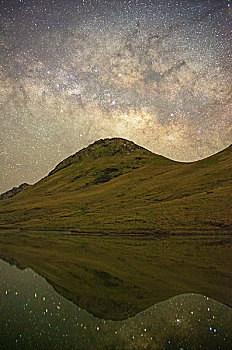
point(13, 191)
point(117, 186)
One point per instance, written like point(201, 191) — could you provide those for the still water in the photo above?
point(34, 316)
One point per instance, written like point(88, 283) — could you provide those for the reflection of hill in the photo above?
point(115, 277)
point(187, 321)
point(116, 186)
point(12, 261)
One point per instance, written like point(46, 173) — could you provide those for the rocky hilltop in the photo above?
point(13, 191)
point(99, 149)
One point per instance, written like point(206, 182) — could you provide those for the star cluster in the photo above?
point(155, 72)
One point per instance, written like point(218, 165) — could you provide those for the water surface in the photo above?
point(34, 316)
point(73, 291)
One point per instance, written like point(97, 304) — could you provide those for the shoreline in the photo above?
point(146, 233)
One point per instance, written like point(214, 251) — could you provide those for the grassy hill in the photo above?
point(116, 186)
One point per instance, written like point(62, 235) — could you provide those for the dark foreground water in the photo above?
point(34, 316)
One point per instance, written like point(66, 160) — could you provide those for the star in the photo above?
point(156, 73)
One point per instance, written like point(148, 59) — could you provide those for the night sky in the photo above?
point(156, 72)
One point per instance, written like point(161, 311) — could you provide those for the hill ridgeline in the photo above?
point(116, 186)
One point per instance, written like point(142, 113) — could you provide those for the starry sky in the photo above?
point(156, 72)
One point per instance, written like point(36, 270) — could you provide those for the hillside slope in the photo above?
point(116, 186)
point(13, 191)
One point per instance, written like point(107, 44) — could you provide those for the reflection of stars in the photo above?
point(70, 326)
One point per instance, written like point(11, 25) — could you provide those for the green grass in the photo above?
point(117, 186)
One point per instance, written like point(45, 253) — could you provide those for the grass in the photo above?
point(117, 186)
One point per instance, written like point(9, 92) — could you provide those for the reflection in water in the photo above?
point(34, 316)
point(116, 277)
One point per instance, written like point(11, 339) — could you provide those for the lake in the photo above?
point(71, 291)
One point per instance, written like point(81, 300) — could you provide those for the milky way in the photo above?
point(156, 72)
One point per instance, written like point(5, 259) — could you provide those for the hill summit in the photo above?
point(99, 149)
point(116, 186)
